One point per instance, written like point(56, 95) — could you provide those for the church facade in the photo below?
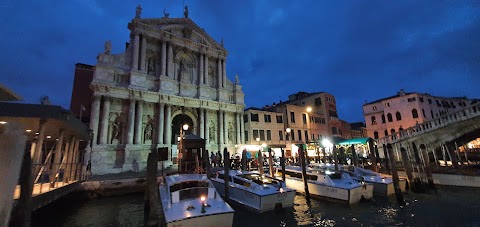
point(172, 73)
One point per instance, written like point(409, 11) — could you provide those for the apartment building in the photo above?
point(405, 109)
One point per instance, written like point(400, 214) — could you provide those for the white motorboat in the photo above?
point(191, 200)
point(257, 192)
point(382, 184)
point(329, 184)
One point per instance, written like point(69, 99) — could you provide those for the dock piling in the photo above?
point(426, 162)
point(301, 155)
point(270, 161)
point(282, 163)
point(407, 166)
point(396, 183)
point(151, 191)
point(226, 175)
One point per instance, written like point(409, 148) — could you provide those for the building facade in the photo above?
point(310, 117)
point(81, 99)
point(172, 73)
point(404, 110)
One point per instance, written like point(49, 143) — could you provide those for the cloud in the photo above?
point(355, 50)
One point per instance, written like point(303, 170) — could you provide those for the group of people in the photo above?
point(216, 159)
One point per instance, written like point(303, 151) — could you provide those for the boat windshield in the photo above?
point(261, 180)
point(190, 189)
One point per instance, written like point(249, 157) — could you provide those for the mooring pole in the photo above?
point(407, 166)
point(335, 156)
point(244, 160)
point(426, 162)
point(301, 155)
point(260, 162)
point(387, 158)
point(396, 183)
point(371, 154)
point(270, 161)
point(416, 181)
point(23, 211)
point(282, 163)
point(226, 175)
point(354, 156)
point(152, 192)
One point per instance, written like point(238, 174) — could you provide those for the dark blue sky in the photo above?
point(355, 50)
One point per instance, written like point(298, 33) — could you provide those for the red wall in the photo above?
point(81, 93)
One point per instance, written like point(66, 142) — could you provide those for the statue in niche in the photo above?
point(138, 11)
point(148, 131)
point(108, 47)
point(211, 132)
point(165, 14)
point(116, 130)
point(230, 132)
point(151, 65)
point(185, 12)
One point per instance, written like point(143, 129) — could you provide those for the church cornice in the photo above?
point(146, 26)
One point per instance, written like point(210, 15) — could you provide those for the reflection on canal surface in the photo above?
point(447, 206)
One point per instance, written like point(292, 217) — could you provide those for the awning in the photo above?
point(355, 141)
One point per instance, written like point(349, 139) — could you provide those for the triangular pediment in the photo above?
point(185, 28)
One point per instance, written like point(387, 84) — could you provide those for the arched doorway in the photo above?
point(177, 122)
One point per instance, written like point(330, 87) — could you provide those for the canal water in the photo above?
point(446, 206)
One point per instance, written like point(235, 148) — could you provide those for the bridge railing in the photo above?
point(55, 175)
point(436, 123)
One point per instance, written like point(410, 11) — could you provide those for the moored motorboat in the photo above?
point(191, 200)
point(329, 184)
point(382, 184)
point(255, 191)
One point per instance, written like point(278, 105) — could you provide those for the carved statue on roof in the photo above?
point(236, 79)
point(185, 12)
point(108, 47)
point(165, 14)
point(138, 12)
point(221, 42)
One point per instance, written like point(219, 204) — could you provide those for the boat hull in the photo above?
point(255, 202)
point(216, 220)
point(386, 189)
point(351, 195)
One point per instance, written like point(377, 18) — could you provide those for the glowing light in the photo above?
point(185, 127)
point(309, 109)
point(288, 130)
point(3, 122)
point(257, 139)
point(202, 199)
point(281, 190)
point(327, 143)
point(28, 130)
point(49, 137)
point(264, 145)
point(328, 172)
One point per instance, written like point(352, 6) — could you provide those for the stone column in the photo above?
point(131, 121)
point(170, 60)
point(238, 139)
point(219, 74)
point(202, 122)
point(225, 128)
point(200, 74)
point(163, 58)
point(207, 129)
point(224, 73)
point(242, 129)
point(95, 113)
point(139, 123)
point(220, 127)
point(168, 129)
point(104, 121)
point(143, 53)
point(205, 71)
point(161, 120)
point(136, 45)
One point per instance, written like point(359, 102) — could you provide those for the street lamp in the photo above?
point(183, 129)
point(309, 109)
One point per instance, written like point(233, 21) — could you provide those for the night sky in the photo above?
point(356, 50)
